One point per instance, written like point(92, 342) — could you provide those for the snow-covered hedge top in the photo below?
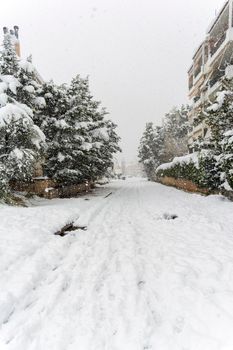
point(189, 158)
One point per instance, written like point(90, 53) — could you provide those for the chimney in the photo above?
point(16, 29)
point(17, 43)
point(5, 30)
point(15, 38)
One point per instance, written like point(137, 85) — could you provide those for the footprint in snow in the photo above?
point(168, 216)
point(179, 325)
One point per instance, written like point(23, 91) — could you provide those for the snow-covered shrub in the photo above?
point(209, 172)
point(4, 188)
point(226, 160)
point(185, 167)
point(200, 167)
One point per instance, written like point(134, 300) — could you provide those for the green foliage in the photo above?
point(215, 164)
point(80, 140)
point(226, 159)
point(151, 149)
point(162, 144)
point(181, 171)
point(8, 58)
point(203, 173)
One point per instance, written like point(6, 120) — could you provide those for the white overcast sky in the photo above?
point(136, 52)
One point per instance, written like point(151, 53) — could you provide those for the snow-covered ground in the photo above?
point(133, 281)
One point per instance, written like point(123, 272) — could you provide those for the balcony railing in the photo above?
point(196, 98)
point(190, 84)
point(197, 71)
point(216, 77)
point(218, 43)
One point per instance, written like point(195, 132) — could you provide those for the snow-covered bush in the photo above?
point(185, 167)
point(199, 167)
point(214, 166)
point(4, 188)
point(226, 160)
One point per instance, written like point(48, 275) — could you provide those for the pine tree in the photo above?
point(226, 159)
point(9, 64)
point(30, 90)
point(218, 165)
point(219, 118)
point(104, 145)
point(151, 149)
point(176, 133)
point(21, 141)
point(72, 138)
point(84, 141)
point(51, 120)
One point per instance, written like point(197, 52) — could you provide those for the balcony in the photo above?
point(190, 82)
point(218, 43)
point(215, 79)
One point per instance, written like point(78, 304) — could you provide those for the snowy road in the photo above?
point(133, 281)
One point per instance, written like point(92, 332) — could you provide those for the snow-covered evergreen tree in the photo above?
point(30, 90)
point(176, 133)
point(21, 141)
point(218, 116)
point(151, 149)
point(80, 141)
point(226, 160)
point(104, 144)
point(9, 64)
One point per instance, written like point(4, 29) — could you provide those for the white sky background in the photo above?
point(136, 52)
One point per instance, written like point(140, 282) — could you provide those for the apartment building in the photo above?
point(212, 62)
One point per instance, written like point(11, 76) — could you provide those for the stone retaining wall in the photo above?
point(48, 188)
point(183, 184)
point(189, 186)
point(73, 190)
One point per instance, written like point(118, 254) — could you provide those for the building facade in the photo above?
point(212, 63)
